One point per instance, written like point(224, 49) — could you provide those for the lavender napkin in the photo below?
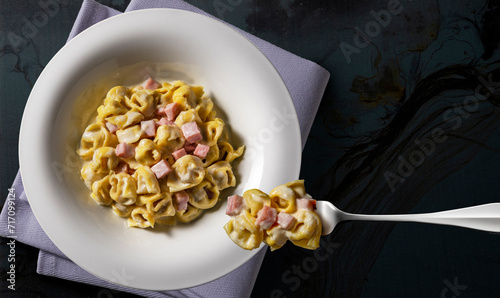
point(306, 82)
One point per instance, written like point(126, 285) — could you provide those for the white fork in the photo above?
point(482, 217)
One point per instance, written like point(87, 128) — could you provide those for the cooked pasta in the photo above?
point(286, 214)
point(157, 154)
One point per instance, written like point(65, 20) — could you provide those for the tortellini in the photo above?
point(104, 160)
point(122, 210)
point(286, 214)
point(187, 116)
point(243, 231)
point(114, 103)
point(158, 204)
point(123, 189)
point(129, 135)
point(146, 181)
point(190, 214)
point(188, 171)
point(185, 96)
point(141, 218)
point(204, 195)
point(204, 109)
point(169, 138)
point(143, 101)
point(212, 131)
point(94, 137)
point(221, 174)
point(100, 191)
point(146, 152)
point(125, 120)
point(227, 152)
point(157, 156)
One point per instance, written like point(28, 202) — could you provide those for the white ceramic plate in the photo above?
point(168, 44)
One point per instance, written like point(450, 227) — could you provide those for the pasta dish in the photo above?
point(157, 153)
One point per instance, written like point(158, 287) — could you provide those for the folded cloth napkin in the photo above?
point(306, 82)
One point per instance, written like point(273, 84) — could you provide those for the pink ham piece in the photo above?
point(148, 128)
point(172, 110)
point(306, 203)
point(160, 110)
point(266, 217)
point(191, 132)
point(181, 200)
point(125, 150)
point(234, 205)
point(111, 127)
point(161, 169)
point(286, 221)
point(151, 84)
point(201, 151)
point(165, 121)
point(179, 153)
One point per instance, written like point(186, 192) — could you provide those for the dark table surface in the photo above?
point(408, 123)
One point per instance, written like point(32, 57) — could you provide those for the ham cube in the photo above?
point(179, 153)
point(190, 148)
point(266, 217)
point(172, 110)
point(234, 205)
point(191, 132)
point(148, 128)
point(286, 221)
point(160, 110)
point(151, 84)
point(181, 200)
point(165, 121)
point(111, 127)
point(201, 151)
point(306, 203)
point(125, 150)
point(161, 169)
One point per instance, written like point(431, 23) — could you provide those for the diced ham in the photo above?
point(125, 150)
point(172, 110)
point(285, 220)
point(181, 200)
point(306, 203)
point(191, 132)
point(234, 205)
point(160, 110)
point(148, 128)
point(111, 127)
point(189, 148)
point(151, 84)
point(161, 169)
point(165, 121)
point(266, 217)
point(201, 151)
point(179, 153)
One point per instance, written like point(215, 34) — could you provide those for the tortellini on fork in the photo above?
point(286, 214)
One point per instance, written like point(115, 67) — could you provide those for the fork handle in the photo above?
point(482, 217)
